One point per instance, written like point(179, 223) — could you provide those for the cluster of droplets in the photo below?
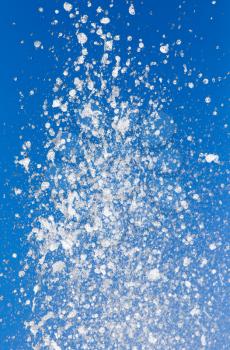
point(115, 260)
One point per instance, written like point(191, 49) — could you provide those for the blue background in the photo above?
point(20, 20)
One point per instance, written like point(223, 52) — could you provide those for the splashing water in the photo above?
point(114, 241)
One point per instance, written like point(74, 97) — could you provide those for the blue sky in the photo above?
point(202, 27)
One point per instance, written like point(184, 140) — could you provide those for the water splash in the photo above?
point(113, 239)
